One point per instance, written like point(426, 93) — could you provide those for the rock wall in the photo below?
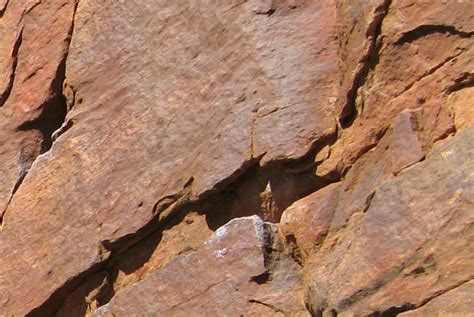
point(236, 158)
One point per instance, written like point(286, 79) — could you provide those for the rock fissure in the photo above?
point(54, 302)
point(367, 62)
point(176, 206)
point(395, 310)
point(424, 30)
point(14, 55)
point(4, 8)
point(154, 198)
point(465, 80)
point(433, 70)
point(53, 112)
point(275, 309)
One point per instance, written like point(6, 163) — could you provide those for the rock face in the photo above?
point(230, 267)
point(236, 158)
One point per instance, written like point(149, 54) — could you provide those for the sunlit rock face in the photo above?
point(236, 158)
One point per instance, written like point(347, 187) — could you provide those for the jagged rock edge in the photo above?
point(373, 32)
point(56, 86)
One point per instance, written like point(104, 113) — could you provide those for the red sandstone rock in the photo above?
point(309, 219)
point(404, 249)
point(455, 302)
point(163, 115)
point(183, 115)
point(230, 267)
point(415, 65)
point(35, 39)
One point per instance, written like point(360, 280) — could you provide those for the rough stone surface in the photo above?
point(228, 266)
point(403, 249)
point(455, 302)
point(133, 131)
point(35, 37)
point(308, 220)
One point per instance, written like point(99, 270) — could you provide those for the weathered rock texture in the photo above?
point(236, 158)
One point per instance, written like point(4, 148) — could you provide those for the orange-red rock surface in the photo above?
point(236, 158)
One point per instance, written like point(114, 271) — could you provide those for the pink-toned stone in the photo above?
point(309, 218)
point(418, 59)
point(166, 99)
point(35, 39)
point(171, 103)
point(409, 236)
point(456, 302)
point(228, 267)
point(461, 106)
point(406, 146)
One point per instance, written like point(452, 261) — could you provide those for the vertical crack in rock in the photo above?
point(349, 111)
point(3, 98)
point(14, 55)
point(53, 112)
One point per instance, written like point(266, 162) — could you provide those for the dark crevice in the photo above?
point(2, 10)
point(431, 71)
point(51, 118)
point(14, 55)
point(294, 249)
point(425, 30)
point(277, 310)
point(28, 10)
point(267, 13)
point(465, 80)
point(264, 190)
point(368, 202)
point(53, 111)
point(261, 279)
point(95, 291)
point(252, 189)
point(363, 293)
point(52, 305)
point(19, 181)
point(52, 115)
point(129, 258)
point(242, 194)
point(393, 311)
point(367, 63)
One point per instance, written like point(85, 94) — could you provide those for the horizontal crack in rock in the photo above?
point(424, 30)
